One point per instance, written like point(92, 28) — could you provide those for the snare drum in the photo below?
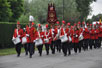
point(46, 40)
point(38, 42)
point(16, 40)
point(64, 38)
point(24, 40)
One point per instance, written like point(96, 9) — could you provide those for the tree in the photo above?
point(97, 17)
point(39, 9)
point(83, 6)
point(17, 7)
point(5, 11)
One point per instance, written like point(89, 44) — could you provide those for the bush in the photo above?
point(6, 33)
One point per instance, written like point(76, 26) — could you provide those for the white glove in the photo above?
point(27, 35)
point(19, 36)
point(13, 38)
point(76, 35)
point(83, 29)
point(42, 36)
point(95, 31)
point(65, 34)
point(34, 41)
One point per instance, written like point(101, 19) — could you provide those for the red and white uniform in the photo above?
point(31, 34)
point(96, 33)
point(40, 35)
point(100, 32)
point(18, 33)
point(92, 34)
point(75, 39)
point(51, 35)
point(46, 36)
point(86, 33)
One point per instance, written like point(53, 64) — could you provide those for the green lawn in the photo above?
point(8, 51)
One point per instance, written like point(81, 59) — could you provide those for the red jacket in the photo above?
point(96, 33)
point(86, 33)
point(75, 39)
point(46, 36)
point(92, 34)
point(20, 32)
point(67, 31)
point(62, 32)
point(71, 33)
point(31, 32)
point(40, 35)
point(51, 35)
point(100, 32)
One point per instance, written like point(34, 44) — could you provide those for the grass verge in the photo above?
point(9, 51)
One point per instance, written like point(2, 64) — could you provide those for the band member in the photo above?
point(52, 35)
point(80, 33)
point(67, 30)
point(76, 39)
point(100, 34)
point(92, 37)
point(30, 33)
point(46, 40)
point(96, 35)
point(18, 32)
point(64, 44)
point(71, 35)
point(40, 35)
point(57, 37)
point(86, 37)
point(25, 45)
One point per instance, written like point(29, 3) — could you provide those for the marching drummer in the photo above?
point(57, 37)
point(52, 35)
point(86, 37)
point(18, 33)
point(64, 43)
point(80, 34)
point(96, 36)
point(46, 39)
point(92, 37)
point(67, 31)
point(25, 45)
point(100, 34)
point(40, 36)
point(76, 39)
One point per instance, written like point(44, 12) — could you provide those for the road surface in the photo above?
point(87, 59)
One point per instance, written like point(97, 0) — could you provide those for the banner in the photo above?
point(52, 18)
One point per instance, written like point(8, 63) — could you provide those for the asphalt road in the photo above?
point(87, 59)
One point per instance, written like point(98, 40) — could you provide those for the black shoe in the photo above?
point(40, 54)
point(18, 55)
point(47, 53)
point(65, 54)
point(30, 56)
point(26, 54)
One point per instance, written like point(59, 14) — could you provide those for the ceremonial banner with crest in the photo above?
point(52, 18)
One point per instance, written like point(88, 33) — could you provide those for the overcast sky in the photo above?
point(96, 7)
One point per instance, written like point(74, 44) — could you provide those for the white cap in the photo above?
point(31, 18)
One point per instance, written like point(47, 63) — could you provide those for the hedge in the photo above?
point(6, 33)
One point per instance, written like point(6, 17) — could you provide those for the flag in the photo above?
point(100, 20)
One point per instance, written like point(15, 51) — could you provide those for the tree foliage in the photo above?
point(17, 9)
point(83, 6)
point(5, 11)
point(11, 10)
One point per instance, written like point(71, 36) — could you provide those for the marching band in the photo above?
point(58, 38)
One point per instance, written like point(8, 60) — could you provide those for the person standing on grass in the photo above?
point(18, 32)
